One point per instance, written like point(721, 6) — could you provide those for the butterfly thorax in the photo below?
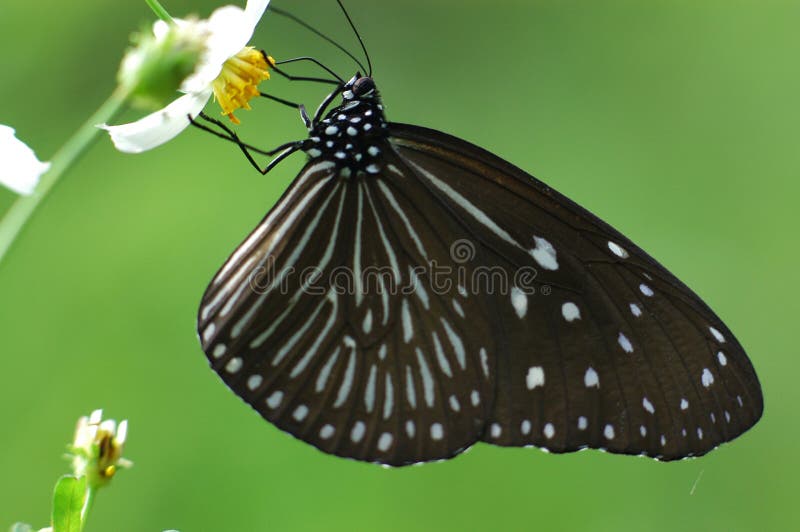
point(352, 135)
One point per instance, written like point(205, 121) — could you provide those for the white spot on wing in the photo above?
point(646, 290)
point(608, 432)
point(636, 310)
point(208, 333)
point(591, 378)
point(544, 253)
point(254, 382)
point(475, 398)
point(454, 404)
point(717, 335)
point(455, 341)
point(347, 381)
point(496, 430)
point(408, 328)
point(707, 378)
point(582, 423)
point(648, 405)
point(440, 356)
point(419, 288)
point(411, 393)
point(324, 373)
point(570, 311)
point(358, 431)
point(234, 365)
point(519, 301)
point(367, 325)
point(275, 399)
point(618, 250)
point(723, 361)
point(385, 442)
point(437, 431)
point(300, 413)
point(549, 431)
point(369, 392)
point(624, 343)
point(427, 378)
point(535, 377)
point(684, 404)
point(525, 427)
point(220, 350)
point(388, 402)
point(411, 429)
point(326, 432)
point(484, 362)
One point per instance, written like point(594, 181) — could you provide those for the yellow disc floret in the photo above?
point(238, 82)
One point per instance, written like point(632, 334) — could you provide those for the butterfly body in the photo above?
point(351, 134)
point(412, 294)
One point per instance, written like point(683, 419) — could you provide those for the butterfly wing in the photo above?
point(609, 350)
point(352, 319)
point(325, 323)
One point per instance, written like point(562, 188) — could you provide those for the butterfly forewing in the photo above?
point(373, 366)
point(412, 294)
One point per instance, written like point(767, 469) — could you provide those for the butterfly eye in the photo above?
point(363, 87)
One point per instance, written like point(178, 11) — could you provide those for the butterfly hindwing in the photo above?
point(609, 350)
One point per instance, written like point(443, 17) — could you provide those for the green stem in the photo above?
point(21, 211)
point(159, 10)
point(91, 492)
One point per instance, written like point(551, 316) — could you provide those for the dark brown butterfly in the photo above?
point(412, 294)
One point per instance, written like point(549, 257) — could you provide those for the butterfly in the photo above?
point(412, 294)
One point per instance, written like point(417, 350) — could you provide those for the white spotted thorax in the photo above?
point(351, 135)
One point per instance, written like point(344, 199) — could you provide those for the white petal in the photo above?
point(230, 29)
point(20, 170)
point(155, 129)
point(253, 12)
point(226, 37)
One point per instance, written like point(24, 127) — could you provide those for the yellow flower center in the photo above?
point(238, 82)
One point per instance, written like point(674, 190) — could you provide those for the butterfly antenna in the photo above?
point(318, 33)
point(358, 36)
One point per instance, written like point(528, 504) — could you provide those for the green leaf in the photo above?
point(68, 502)
point(21, 527)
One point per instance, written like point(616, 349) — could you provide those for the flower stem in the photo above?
point(159, 10)
point(91, 491)
point(21, 211)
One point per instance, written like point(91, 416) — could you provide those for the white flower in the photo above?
point(96, 450)
point(21, 169)
point(228, 69)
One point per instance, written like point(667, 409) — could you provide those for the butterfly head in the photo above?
point(360, 88)
point(352, 135)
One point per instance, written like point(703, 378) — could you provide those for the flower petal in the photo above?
point(157, 128)
point(253, 12)
point(230, 29)
point(20, 169)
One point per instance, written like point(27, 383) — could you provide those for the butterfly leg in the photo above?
point(299, 106)
point(282, 151)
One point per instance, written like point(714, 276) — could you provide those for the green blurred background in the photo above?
point(676, 121)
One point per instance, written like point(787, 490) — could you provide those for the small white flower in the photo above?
point(228, 69)
point(96, 450)
point(21, 169)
